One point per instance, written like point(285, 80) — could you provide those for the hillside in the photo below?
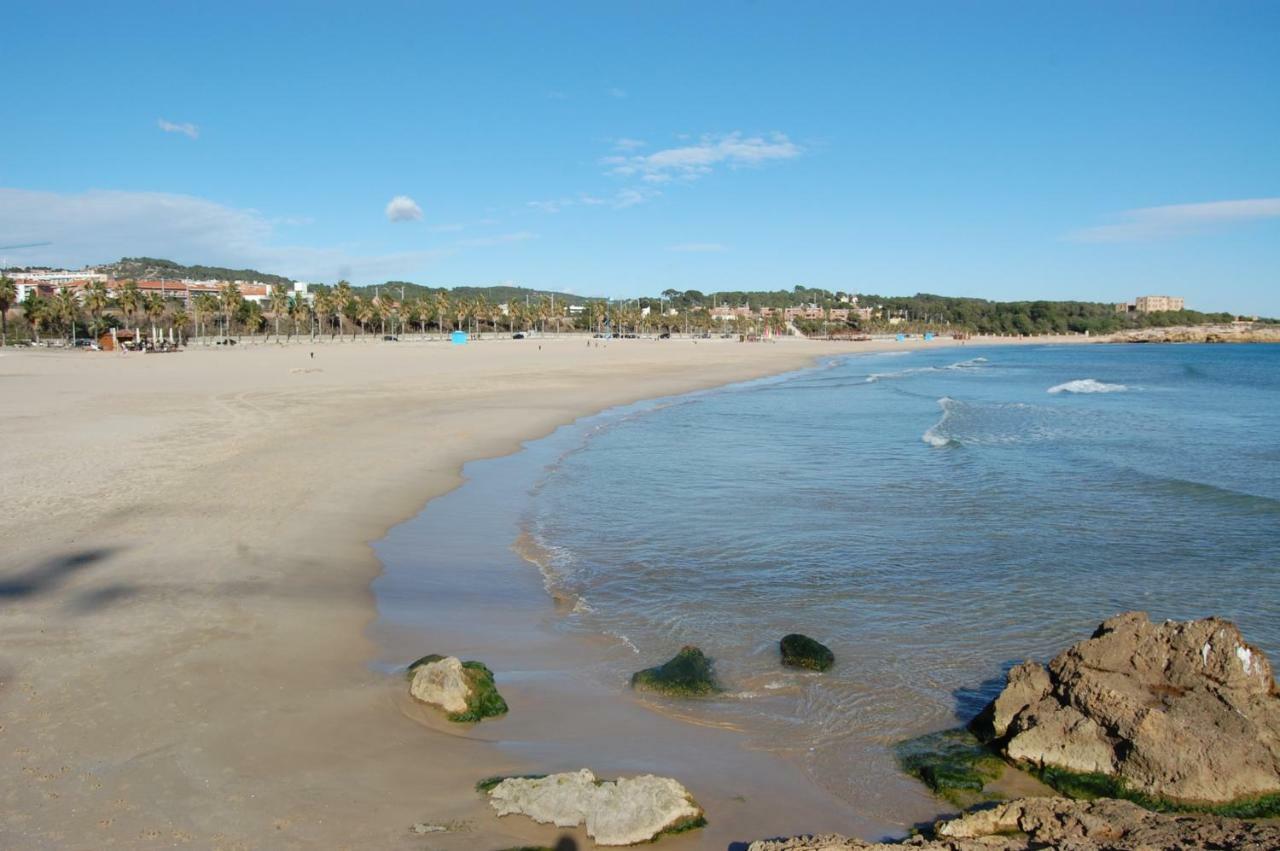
point(152, 267)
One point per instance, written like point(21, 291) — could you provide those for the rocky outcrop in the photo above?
point(1184, 711)
point(1037, 823)
point(801, 651)
point(626, 811)
point(464, 690)
point(689, 673)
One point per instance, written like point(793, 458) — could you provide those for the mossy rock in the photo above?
point(690, 673)
point(952, 763)
point(483, 700)
point(418, 663)
point(801, 651)
point(1074, 784)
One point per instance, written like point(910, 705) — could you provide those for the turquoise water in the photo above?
point(934, 517)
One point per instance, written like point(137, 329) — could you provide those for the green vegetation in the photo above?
point(155, 268)
point(690, 673)
point(953, 763)
point(483, 699)
point(801, 651)
point(487, 785)
point(1088, 786)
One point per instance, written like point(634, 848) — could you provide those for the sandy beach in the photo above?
point(186, 581)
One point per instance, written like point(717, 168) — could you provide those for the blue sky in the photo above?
point(1003, 150)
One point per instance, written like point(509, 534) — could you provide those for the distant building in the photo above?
point(1152, 304)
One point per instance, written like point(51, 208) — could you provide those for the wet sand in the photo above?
point(185, 588)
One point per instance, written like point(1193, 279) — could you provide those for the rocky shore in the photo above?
point(1202, 334)
point(1038, 823)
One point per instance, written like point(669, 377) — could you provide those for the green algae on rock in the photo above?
point(464, 690)
point(952, 763)
point(690, 673)
point(801, 651)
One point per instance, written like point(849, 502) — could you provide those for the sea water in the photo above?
point(933, 516)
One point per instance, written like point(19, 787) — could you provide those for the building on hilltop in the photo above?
point(1152, 304)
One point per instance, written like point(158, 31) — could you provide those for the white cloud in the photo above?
point(625, 144)
point(698, 247)
point(100, 226)
point(631, 197)
point(186, 129)
point(1148, 223)
point(690, 162)
point(402, 208)
point(620, 200)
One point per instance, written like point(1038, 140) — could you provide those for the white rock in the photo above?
point(620, 812)
point(442, 684)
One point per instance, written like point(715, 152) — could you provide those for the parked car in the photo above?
point(227, 342)
point(390, 338)
point(665, 335)
point(519, 335)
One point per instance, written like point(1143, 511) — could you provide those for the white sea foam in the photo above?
point(936, 434)
point(1087, 385)
point(972, 363)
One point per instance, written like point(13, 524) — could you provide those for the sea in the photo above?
point(933, 516)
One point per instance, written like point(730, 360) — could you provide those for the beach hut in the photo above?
point(900, 338)
point(458, 337)
point(928, 335)
point(109, 340)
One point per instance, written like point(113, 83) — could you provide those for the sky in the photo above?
point(1012, 150)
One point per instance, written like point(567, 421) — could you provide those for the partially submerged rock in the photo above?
point(1038, 823)
point(464, 690)
point(801, 651)
point(1179, 712)
point(952, 763)
point(689, 673)
point(625, 811)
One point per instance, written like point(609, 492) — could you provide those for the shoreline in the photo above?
point(190, 592)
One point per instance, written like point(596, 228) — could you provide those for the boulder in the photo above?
point(464, 690)
point(1182, 711)
point(625, 811)
point(1036, 823)
point(801, 651)
point(689, 673)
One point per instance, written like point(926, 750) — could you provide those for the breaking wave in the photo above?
point(972, 363)
point(1087, 385)
point(935, 435)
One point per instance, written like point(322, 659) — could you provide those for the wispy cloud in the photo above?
point(698, 247)
point(402, 208)
point(1174, 220)
point(98, 226)
point(690, 162)
point(620, 200)
point(186, 129)
point(625, 144)
point(616, 92)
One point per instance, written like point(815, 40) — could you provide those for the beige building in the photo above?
point(1152, 304)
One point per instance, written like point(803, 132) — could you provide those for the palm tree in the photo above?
point(8, 295)
point(440, 310)
point(297, 309)
point(322, 304)
point(66, 308)
point(598, 312)
point(130, 299)
point(206, 305)
point(229, 299)
point(364, 312)
point(153, 306)
point(278, 303)
point(340, 302)
point(180, 322)
point(36, 312)
point(96, 299)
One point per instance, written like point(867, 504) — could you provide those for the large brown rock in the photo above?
point(1037, 823)
point(1180, 710)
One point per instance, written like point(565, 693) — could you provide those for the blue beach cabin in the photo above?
point(458, 337)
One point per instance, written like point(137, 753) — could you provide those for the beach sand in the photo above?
point(185, 586)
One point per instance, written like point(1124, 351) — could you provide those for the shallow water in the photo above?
point(934, 517)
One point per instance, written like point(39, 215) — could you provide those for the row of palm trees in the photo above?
point(333, 311)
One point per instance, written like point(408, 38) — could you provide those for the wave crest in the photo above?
point(1087, 385)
